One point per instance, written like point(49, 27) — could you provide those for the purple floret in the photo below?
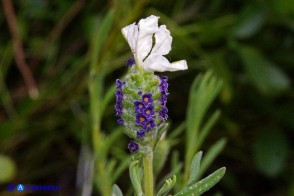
point(130, 62)
point(118, 84)
point(149, 111)
point(118, 108)
point(163, 113)
point(139, 106)
point(119, 96)
point(141, 119)
point(147, 99)
point(120, 121)
point(149, 125)
point(133, 146)
point(141, 133)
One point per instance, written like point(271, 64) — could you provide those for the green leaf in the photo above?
point(7, 168)
point(160, 131)
point(107, 98)
point(109, 140)
point(168, 185)
point(204, 184)
point(176, 169)
point(211, 154)
point(271, 150)
point(207, 127)
point(195, 166)
point(252, 22)
point(204, 90)
point(120, 169)
point(177, 131)
point(99, 36)
point(266, 76)
point(116, 191)
point(135, 177)
point(160, 155)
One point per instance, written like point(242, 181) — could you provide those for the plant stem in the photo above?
point(148, 172)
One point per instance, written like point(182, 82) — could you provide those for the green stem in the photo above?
point(148, 172)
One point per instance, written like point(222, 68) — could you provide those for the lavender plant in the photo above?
point(141, 99)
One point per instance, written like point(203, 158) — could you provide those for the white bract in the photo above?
point(150, 56)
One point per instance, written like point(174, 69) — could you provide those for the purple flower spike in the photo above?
point(139, 92)
point(149, 125)
point(139, 106)
point(130, 62)
point(147, 99)
point(133, 146)
point(149, 111)
point(141, 133)
point(141, 119)
point(120, 121)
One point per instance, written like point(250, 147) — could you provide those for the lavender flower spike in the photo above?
point(141, 97)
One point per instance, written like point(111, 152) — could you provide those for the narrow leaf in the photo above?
point(120, 169)
point(160, 155)
point(212, 153)
point(204, 90)
point(135, 177)
point(204, 184)
point(168, 185)
point(195, 166)
point(266, 75)
point(107, 98)
point(98, 38)
point(160, 131)
point(175, 170)
point(207, 127)
point(116, 191)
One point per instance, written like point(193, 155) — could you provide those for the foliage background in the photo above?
point(248, 44)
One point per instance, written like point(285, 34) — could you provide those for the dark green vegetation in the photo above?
point(76, 47)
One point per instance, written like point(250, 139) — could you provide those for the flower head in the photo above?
point(140, 39)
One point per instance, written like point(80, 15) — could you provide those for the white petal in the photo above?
point(147, 27)
point(130, 33)
point(163, 41)
point(157, 62)
point(178, 65)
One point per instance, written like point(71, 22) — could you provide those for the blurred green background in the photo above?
point(248, 44)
